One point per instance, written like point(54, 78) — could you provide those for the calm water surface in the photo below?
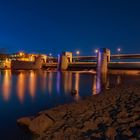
point(24, 93)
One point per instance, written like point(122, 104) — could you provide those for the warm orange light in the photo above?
point(44, 81)
point(21, 53)
point(77, 79)
point(94, 87)
point(32, 83)
point(21, 87)
point(6, 85)
point(67, 81)
point(31, 57)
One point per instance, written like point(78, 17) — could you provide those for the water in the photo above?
point(24, 93)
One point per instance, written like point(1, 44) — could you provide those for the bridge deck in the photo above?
point(90, 65)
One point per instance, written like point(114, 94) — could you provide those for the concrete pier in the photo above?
point(63, 60)
point(102, 67)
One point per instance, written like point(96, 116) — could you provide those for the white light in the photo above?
point(50, 54)
point(96, 50)
point(119, 49)
point(77, 52)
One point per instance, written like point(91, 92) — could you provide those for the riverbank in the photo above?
point(115, 113)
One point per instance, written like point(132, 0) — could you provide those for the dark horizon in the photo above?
point(55, 26)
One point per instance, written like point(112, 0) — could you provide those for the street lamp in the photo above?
point(77, 52)
point(118, 50)
point(50, 54)
point(96, 51)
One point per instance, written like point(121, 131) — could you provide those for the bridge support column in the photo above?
point(63, 60)
point(102, 66)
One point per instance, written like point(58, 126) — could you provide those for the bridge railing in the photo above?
point(94, 58)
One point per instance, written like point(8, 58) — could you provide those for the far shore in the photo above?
point(112, 114)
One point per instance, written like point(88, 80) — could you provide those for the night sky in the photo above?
point(54, 26)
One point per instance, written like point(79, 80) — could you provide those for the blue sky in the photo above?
point(54, 26)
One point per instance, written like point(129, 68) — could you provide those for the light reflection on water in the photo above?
point(6, 85)
point(32, 83)
point(27, 82)
point(24, 93)
point(21, 87)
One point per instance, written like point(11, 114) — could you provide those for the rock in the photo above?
point(96, 117)
point(40, 124)
point(122, 114)
point(111, 133)
point(89, 125)
point(56, 114)
point(74, 92)
point(59, 124)
point(58, 136)
point(127, 133)
point(25, 121)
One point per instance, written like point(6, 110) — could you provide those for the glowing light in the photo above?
point(44, 81)
point(94, 86)
point(6, 86)
point(50, 54)
point(21, 53)
point(32, 58)
point(119, 49)
point(77, 52)
point(21, 87)
point(96, 51)
point(32, 84)
point(67, 81)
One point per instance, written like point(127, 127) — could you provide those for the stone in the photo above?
point(40, 124)
point(97, 117)
point(58, 136)
point(25, 121)
point(111, 133)
point(56, 114)
point(127, 133)
point(89, 125)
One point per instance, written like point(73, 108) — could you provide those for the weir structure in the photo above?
point(103, 58)
point(66, 61)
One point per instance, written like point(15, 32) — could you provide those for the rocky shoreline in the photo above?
point(113, 114)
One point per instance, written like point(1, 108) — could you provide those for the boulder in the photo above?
point(111, 133)
point(40, 124)
point(25, 121)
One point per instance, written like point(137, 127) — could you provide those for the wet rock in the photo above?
point(25, 121)
point(55, 114)
point(59, 124)
point(40, 124)
point(112, 114)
